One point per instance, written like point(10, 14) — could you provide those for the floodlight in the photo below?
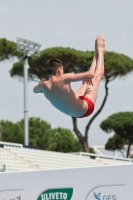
point(21, 47)
point(28, 48)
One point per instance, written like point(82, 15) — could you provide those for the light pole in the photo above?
point(28, 48)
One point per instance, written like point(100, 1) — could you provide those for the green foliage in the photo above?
point(8, 49)
point(65, 140)
point(37, 128)
point(11, 132)
point(115, 142)
point(91, 150)
point(122, 125)
point(117, 64)
point(74, 61)
point(40, 134)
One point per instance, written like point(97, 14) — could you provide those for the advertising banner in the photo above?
point(88, 183)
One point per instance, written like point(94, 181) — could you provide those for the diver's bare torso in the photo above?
point(62, 97)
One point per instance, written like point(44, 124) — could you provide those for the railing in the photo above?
point(10, 144)
point(94, 156)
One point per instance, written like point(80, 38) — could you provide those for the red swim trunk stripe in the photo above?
point(90, 106)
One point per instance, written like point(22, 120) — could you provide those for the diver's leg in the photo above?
point(81, 91)
point(92, 91)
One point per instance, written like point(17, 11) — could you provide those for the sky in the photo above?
point(75, 24)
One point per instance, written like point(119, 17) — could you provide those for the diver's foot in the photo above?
point(100, 44)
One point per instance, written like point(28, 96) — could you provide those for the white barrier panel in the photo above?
point(89, 183)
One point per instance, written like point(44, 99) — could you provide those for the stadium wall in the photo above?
point(88, 183)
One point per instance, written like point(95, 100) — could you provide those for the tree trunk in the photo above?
point(128, 150)
point(85, 146)
point(82, 139)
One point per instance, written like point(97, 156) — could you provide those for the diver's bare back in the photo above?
point(62, 97)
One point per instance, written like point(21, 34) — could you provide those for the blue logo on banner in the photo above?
point(104, 197)
point(97, 196)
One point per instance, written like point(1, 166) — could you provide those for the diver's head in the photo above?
point(54, 67)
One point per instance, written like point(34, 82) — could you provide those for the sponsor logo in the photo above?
point(54, 194)
point(17, 198)
point(99, 196)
